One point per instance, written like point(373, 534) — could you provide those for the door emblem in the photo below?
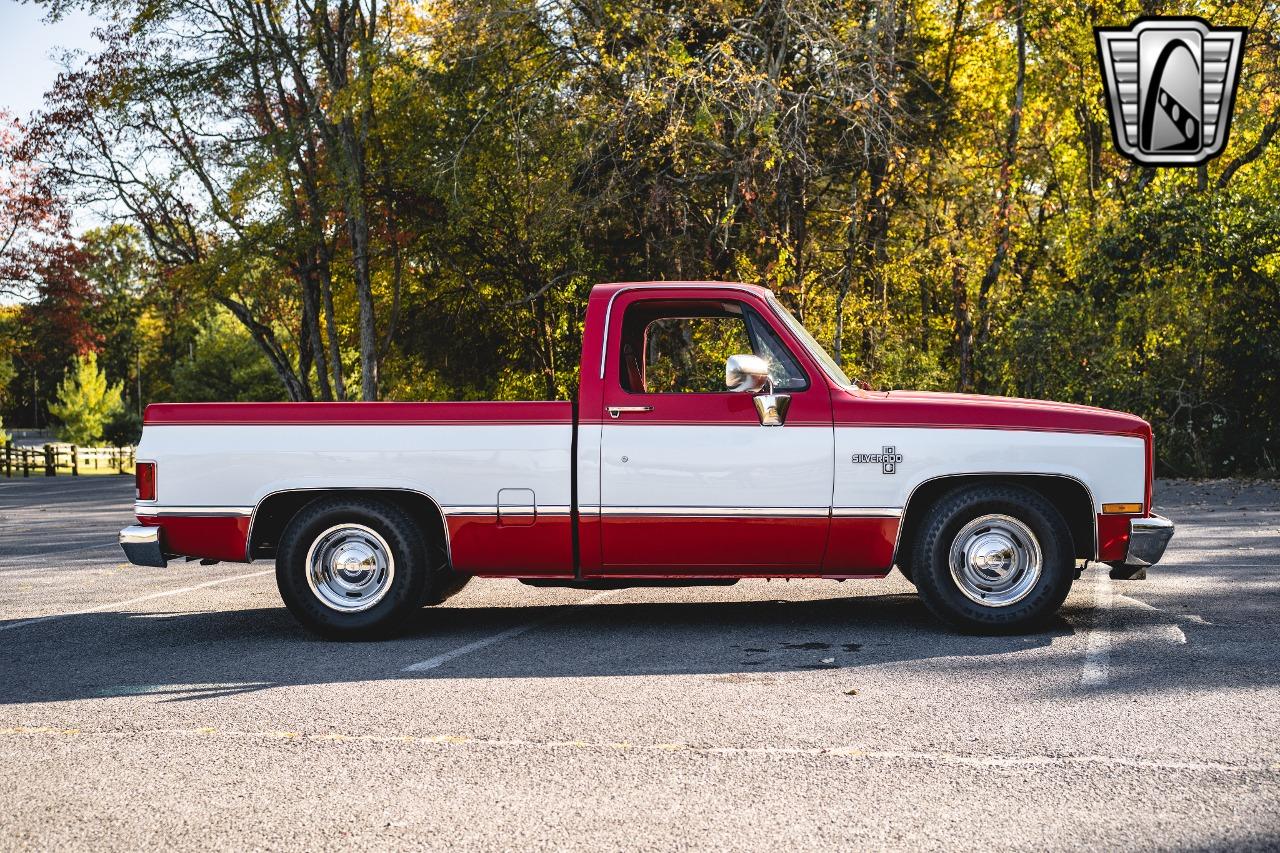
point(888, 459)
point(1170, 86)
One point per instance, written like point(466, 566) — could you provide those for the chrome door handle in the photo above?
point(614, 411)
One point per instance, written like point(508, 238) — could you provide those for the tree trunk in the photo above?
point(1007, 163)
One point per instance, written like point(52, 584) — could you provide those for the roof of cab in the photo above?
point(610, 288)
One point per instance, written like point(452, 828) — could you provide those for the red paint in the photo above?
point(809, 407)
point(590, 549)
point(740, 545)
point(972, 411)
point(479, 545)
point(1113, 536)
point(860, 545)
point(211, 537)
point(144, 481)
point(459, 414)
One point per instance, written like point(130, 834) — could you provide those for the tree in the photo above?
point(86, 403)
point(223, 365)
point(30, 213)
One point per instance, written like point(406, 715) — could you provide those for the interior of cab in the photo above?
point(681, 346)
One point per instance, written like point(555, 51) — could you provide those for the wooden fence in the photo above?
point(53, 459)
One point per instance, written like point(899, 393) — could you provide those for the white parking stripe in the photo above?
point(21, 562)
point(432, 663)
point(118, 604)
point(1097, 654)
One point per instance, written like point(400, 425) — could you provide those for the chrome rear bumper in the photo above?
point(142, 546)
point(1148, 537)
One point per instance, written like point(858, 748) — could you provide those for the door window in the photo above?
point(682, 347)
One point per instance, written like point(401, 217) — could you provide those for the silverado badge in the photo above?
point(888, 459)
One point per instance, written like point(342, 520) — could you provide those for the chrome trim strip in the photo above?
point(866, 512)
point(507, 509)
point(713, 511)
point(207, 511)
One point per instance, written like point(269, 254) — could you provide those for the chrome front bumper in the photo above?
point(1148, 537)
point(142, 546)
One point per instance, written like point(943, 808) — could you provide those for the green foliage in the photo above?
point(7, 375)
point(86, 403)
point(123, 429)
point(225, 365)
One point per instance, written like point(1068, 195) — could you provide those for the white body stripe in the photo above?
point(456, 465)
point(230, 469)
point(713, 466)
point(1112, 467)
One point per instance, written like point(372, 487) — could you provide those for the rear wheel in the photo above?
point(351, 568)
point(993, 558)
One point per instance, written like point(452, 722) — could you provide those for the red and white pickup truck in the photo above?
point(712, 439)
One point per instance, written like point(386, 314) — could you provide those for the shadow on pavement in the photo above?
point(199, 655)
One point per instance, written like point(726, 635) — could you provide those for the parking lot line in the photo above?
point(1097, 654)
point(117, 604)
point(433, 662)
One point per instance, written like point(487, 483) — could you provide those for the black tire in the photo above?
point(400, 595)
point(944, 595)
point(445, 584)
point(904, 569)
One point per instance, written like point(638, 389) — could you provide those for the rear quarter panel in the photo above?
point(212, 470)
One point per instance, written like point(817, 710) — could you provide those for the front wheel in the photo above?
point(352, 569)
point(993, 558)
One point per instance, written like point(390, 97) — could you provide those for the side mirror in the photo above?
point(750, 373)
point(746, 373)
point(772, 408)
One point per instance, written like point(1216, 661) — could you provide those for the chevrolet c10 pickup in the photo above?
point(711, 438)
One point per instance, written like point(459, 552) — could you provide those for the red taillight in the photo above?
point(144, 480)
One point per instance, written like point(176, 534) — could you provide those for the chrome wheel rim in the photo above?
point(996, 560)
point(350, 568)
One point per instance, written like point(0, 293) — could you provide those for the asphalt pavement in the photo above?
point(183, 707)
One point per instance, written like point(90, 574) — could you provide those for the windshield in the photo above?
point(815, 349)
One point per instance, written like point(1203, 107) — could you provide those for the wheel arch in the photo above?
point(274, 512)
point(1069, 495)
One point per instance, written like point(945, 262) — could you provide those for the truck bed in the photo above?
point(477, 461)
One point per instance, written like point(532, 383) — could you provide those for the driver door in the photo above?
point(691, 482)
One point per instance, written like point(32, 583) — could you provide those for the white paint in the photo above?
point(445, 657)
point(1175, 633)
point(24, 558)
point(709, 466)
point(237, 465)
point(1097, 653)
point(119, 604)
point(1112, 467)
